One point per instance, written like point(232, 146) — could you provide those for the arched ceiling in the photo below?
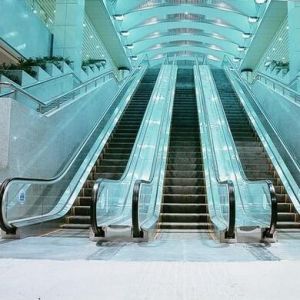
point(207, 29)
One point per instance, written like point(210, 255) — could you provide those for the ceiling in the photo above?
point(206, 29)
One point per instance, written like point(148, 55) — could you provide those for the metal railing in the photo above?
point(278, 87)
point(55, 103)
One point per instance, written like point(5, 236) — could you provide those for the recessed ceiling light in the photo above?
point(124, 33)
point(119, 17)
point(240, 48)
point(212, 57)
point(246, 35)
point(261, 1)
point(253, 19)
point(236, 59)
point(134, 57)
point(129, 46)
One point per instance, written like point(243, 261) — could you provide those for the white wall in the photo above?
point(39, 146)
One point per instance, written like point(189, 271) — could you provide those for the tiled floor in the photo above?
point(73, 245)
point(67, 265)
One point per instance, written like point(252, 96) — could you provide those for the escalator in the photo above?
point(184, 206)
point(255, 161)
point(113, 160)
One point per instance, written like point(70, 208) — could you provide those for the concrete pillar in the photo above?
point(68, 30)
point(294, 37)
point(5, 108)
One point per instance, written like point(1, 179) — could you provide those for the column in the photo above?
point(68, 30)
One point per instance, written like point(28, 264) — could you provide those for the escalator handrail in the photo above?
point(230, 231)
point(136, 229)
point(273, 204)
point(42, 106)
point(4, 224)
point(100, 181)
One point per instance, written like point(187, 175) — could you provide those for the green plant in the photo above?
point(28, 64)
point(92, 61)
point(10, 76)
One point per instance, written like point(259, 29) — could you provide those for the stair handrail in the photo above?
point(269, 232)
point(294, 80)
point(15, 88)
point(286, 90)
point(230, 231)
point(98, 231)
point(42, 106)
point(41, 82)
point(137, 232)
point(4, 186)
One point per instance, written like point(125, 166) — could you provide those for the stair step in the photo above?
point(107, 175)
point(184, 218)
point(79, 219)
point(184, 189)
point(75, 226)
point(184, 181)
point(184, 226)
point(110, 169)
point(86, 192)
point(185, 174)
point(182, 198)
point(84, 201)
point(184, 208)
point(286, 217)
point(113, 162)
point(184, 167)
point(82, 210)
point(288, 225)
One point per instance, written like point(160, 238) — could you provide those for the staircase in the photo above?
point(184, 205)
point(255, 161)
point(112, 161)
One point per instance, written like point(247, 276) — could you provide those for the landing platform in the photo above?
point(67, 265)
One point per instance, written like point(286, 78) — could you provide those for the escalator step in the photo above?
point(184, 226)
point(184, 208)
